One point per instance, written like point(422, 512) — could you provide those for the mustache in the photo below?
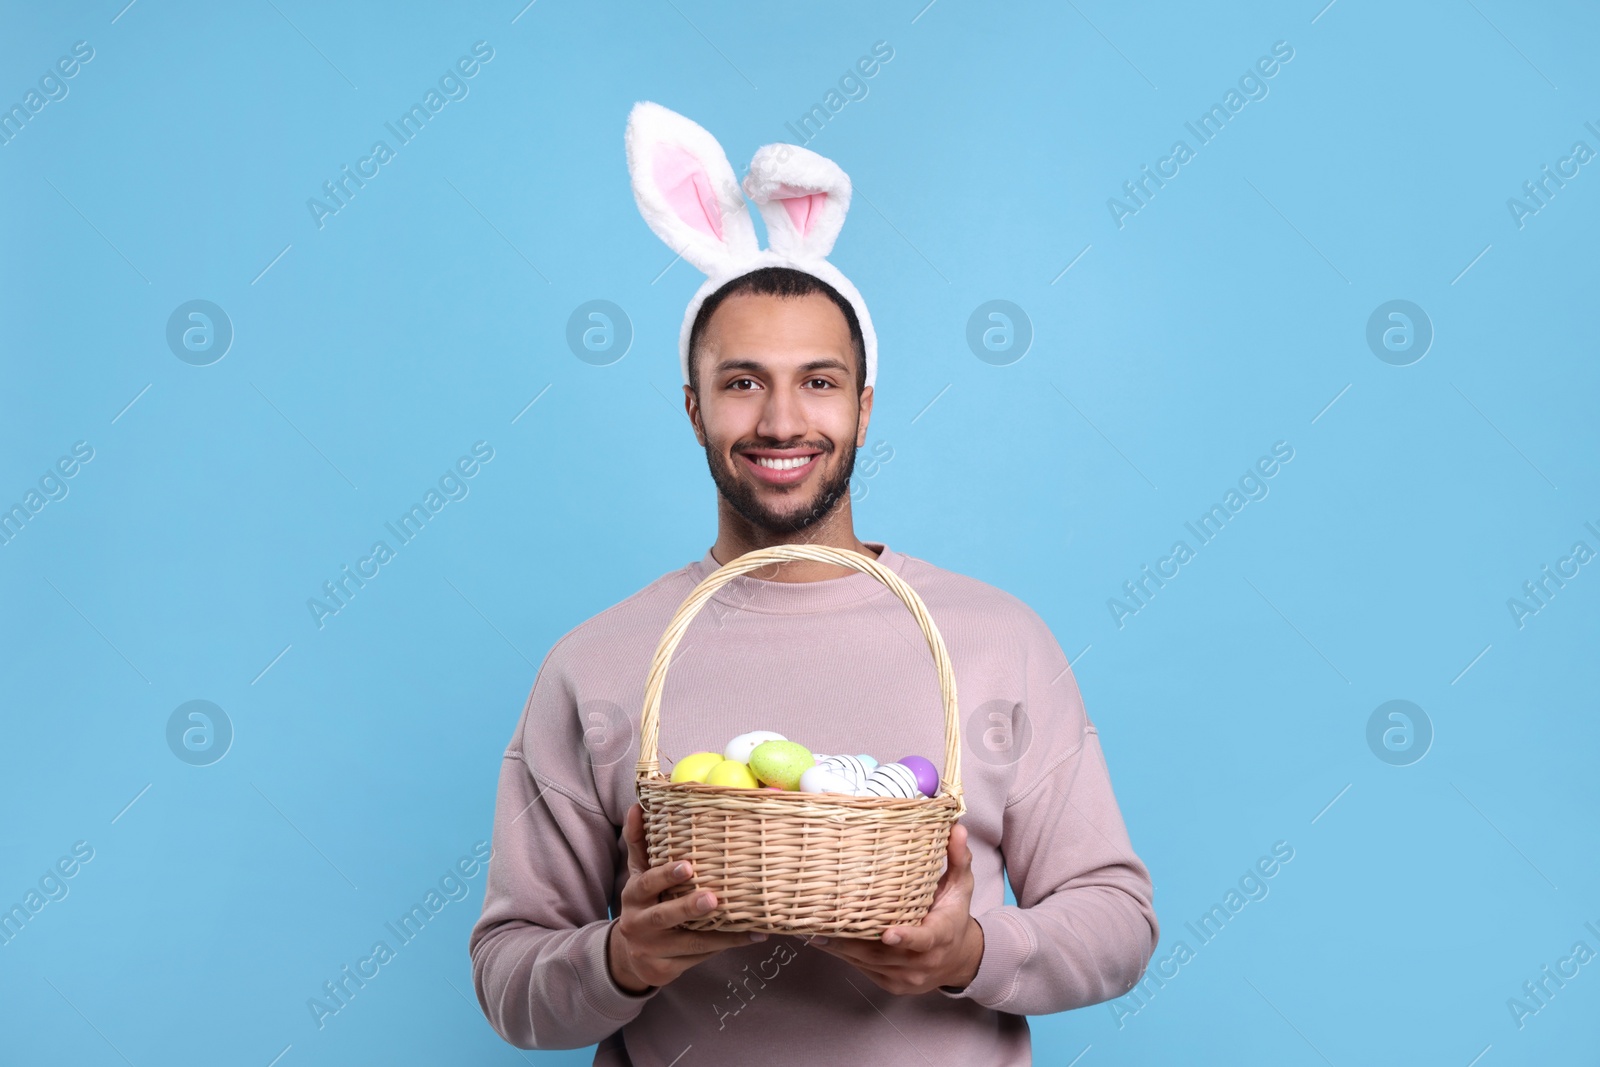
point(804, 446)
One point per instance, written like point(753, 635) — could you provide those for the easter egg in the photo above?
point(927, 776)
point(695, 767)
point(849, 768)
point(820, 779)
point(871, 763)
point(731, 772)
point(741, 747)
point(892, 780)
point(780, 763)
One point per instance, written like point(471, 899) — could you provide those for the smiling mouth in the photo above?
point(777, 468)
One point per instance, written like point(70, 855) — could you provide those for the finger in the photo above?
point(914, 938)
point(674, 911)
point(719, 942)
point(957, 880)
point(645, 888)
point(958, 857)
point(683, 963)
point(633, 835)
point(960, 853)
point(857, 951)
point(886, 979)
point(941, 926)
point(882, 979)
point(703, 944)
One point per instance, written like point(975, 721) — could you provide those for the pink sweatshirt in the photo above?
point(840, 666)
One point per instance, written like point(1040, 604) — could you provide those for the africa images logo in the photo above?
point(453, 885)
point(1204, 129)
point(452, 87)
point(453, 485)
point(1252, 486)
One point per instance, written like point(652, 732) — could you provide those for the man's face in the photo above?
point(777, 408)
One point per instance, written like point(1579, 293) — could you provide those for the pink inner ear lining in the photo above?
point(804, 210)
point(684, 182)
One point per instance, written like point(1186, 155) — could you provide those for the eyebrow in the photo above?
point(755, 365)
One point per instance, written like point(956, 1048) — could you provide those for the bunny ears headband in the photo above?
point(688, 194)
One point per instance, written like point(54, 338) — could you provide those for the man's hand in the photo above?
point(944, 950)
point(643, 947)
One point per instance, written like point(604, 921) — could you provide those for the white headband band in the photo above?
point(689, 196)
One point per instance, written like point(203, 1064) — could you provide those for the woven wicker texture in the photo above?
point(788, 862)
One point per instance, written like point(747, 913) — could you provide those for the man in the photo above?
point(575, 945)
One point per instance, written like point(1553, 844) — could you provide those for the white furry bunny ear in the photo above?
point(802, 196)
point(686, 190)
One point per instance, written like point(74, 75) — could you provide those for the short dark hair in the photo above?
point(781, 282)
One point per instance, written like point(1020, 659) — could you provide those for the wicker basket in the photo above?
point(790, 862)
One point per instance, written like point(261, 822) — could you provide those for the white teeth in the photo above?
point(782, 464)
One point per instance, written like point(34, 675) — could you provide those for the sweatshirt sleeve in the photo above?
point(539, 947)
point(1084, 926)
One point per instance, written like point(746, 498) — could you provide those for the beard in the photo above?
point(743, 497)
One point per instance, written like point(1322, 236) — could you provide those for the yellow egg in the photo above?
point(695, 767)
point(733, 773)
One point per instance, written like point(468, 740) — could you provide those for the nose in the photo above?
point(782, 416)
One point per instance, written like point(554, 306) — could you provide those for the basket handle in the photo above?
point(649, 726)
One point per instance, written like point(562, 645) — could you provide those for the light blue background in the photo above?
point(1223, 317)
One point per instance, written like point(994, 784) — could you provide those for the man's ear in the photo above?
point(691, 404)
point(865, 417)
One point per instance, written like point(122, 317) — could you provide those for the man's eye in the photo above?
point(824, 381)
point(737, 381)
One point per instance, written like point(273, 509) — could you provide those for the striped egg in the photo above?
point(892, 780)
point(850, 768)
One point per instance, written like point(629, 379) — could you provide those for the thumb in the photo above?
point(960, 853)
point(633, 835)
point(957, 873)
point(958, 860)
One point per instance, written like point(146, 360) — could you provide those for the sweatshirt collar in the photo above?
point(748, 593)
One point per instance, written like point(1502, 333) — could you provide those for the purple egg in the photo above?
point(927, 776)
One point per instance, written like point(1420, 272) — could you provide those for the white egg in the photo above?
point(741, 747)
point(893, 780)
point(848, 767)
point(822, 780)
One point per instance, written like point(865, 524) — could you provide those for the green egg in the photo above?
point(780, 763)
